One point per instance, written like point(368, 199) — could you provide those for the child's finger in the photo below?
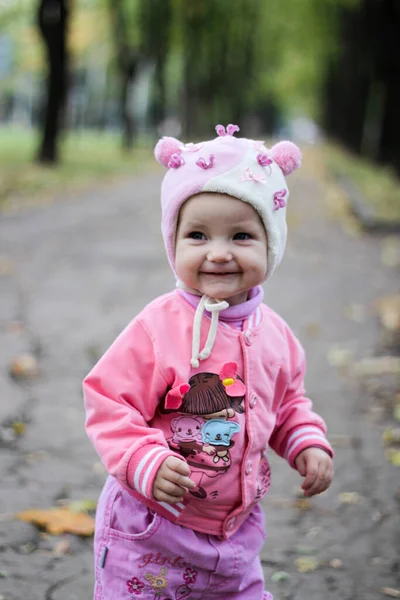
point(179, 474)
point(320, 484)
point(170, 488)
point(164, 497)
point(301, 465)
point(178, 465)
point(311, 473)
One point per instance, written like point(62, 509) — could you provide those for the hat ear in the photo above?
point(287, 156)
point(165, 148)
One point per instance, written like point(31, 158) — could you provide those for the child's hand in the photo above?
point(172, 481)
point(317, 467)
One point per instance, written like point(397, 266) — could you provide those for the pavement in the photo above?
point(73, 274)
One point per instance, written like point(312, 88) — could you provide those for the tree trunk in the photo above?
point(52, 23)
point(127, 68)
point(389, 147)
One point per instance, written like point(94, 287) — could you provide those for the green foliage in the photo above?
point(85, 158)
point(222, 58)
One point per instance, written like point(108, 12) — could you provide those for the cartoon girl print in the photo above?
point(203, 432)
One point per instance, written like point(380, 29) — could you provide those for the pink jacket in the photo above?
point(145, 402)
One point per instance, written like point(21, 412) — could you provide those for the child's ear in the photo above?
point(287, 156)
point(165, 148)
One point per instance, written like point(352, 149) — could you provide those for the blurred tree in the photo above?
point(52, 22)
point(362, 95)
point(124, 14)
point(155, 21)
point(218, 49)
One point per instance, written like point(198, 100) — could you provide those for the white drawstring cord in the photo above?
point(212, 305)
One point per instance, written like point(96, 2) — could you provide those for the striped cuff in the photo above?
point(302, 438)
point(143, 467)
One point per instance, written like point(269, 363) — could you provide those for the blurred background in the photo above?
point(83, 82)
point(86, 89)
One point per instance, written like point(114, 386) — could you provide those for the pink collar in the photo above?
point(233, 315)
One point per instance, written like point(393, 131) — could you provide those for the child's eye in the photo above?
point(197, 235)
point(241, 236)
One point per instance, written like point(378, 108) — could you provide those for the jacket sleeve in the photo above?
point(297, 426)
point(121, 395)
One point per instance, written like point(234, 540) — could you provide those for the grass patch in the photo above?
point(85, 158)
point(378, 185)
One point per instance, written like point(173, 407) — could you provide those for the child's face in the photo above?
point(221, 247)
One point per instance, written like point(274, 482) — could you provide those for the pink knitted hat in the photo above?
point(240, 167)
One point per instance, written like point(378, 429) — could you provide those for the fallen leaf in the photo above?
point(350, 498)
point(388, 309)
point(59, 520)
point(83, 506)
point(379, 365)
point(306, 564)
point(391, 436)
point(391, 592)
point(279, 576)
point(340, 357)
point(303, 504)
point(18, 427)
point(335, 563)
point(396, 412)
point(393, 456)
point(24, 367)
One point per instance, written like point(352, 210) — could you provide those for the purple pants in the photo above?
point(141, 555)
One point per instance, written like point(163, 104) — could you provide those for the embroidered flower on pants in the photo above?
point(190, 575)
point(135, 586)
point(158, 582)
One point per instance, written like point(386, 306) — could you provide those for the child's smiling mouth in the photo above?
point(218, 273)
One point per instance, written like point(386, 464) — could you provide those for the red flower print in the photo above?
point(135, 586)
point(175, 396)
point(233, 387)
point(190, 575)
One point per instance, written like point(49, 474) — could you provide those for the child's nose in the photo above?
point(219, 252)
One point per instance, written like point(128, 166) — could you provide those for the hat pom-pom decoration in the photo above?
point(287, 156)
point(165, 148)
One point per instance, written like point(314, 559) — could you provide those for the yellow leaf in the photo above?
point(24, 367)
point(59, 520)
point(388, 309)
point(391, 592)
point(306, 564)
point(303, 504)
point(18, 427)
point(339, 357)
point(391, 436)
point(350, 498)
point(380, 365)
point(393, 456)
point(83, 505)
